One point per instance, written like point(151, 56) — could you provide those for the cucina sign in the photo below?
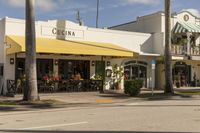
point(62, 32)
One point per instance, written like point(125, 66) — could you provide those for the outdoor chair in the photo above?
point(11, 87)
point(68, 86)
point(46, 87)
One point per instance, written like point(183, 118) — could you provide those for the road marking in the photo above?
point(104, 101)
point(129, 104)
point(58, 125)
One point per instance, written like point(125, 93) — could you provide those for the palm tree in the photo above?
point(30, 90)
point(168, 56)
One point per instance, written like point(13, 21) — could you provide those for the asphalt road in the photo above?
point(170, 116)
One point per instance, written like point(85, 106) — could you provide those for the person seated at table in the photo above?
point(77, 76)
point(72, 77)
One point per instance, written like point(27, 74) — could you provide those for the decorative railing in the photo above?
point(11, 88)
point(181, 50)
point(195, 51)
point(60, 86)
point(79, 85)
point(177, 50)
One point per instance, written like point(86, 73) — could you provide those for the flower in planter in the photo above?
point(50, 79)
point(56, 78)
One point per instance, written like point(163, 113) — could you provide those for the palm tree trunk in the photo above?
point(168, 56)
point(30, 90)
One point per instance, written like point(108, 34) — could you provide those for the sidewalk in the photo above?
point(188, 89)
point(79, 97)
point(65, 100)
point(87, 99)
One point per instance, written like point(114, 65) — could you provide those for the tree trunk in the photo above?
point(30, 90)
point(168, 56)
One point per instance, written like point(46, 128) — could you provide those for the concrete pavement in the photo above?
point(171, 116)
point(111, 112)
point(84, 99)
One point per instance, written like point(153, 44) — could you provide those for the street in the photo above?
point(175, 115)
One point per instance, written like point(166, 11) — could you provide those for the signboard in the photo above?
point(62, 32)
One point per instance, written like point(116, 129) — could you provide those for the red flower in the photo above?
point(57, 78)
point(45, 77)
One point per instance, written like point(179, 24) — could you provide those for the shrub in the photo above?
point(133, 87)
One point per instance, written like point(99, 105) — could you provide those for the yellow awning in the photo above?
point(46, 45)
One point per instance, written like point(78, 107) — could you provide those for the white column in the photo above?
point(153, 73)
point(55, 67)
point(188, 43)
point(153, 76)
point(4, 71)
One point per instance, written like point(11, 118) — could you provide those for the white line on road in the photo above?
point(129, 104)
point(58, 125)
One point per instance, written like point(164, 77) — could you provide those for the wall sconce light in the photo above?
point(108, 63)
point(12, 61)
point(56, 62)
point(93, 63)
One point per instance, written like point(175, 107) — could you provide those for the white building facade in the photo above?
point(185, 45)
point(65, 48)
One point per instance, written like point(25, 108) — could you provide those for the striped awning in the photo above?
point(183, 27)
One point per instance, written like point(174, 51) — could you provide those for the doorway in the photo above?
point(182, 74)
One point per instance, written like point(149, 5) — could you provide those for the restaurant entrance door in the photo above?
point(182, 74)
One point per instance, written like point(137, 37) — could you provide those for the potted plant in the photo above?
point(97, 82)
point(117, 75)
point(51, 81)
point(20, 83)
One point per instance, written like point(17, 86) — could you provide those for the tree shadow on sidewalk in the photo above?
point(147, 95)
point(163, 96)
point(19, 105)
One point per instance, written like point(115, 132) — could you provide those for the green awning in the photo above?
point(183, 27)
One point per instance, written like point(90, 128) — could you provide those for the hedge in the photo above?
point(133, 87)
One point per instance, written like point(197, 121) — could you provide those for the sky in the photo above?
point(111, 12)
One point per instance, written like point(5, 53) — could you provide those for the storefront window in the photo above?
point(44, 66)
point(135, 70)
point(74, 69)
point(142, 72)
